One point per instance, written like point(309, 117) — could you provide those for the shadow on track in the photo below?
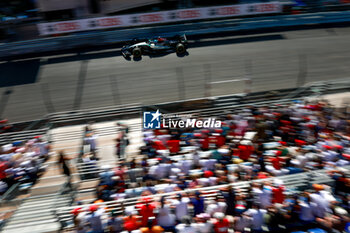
point(19, 72)
point(213, 42)
point(4, 99)
point(136, 59)
point(235, 40)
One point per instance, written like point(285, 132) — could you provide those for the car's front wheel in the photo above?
point(180, 48)
point(136, 52)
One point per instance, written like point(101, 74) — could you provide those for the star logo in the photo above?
point(155, 115)
point(151, 120)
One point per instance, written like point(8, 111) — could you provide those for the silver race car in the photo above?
point(154, 46)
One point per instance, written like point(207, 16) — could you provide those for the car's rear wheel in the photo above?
point(180, 48)
point(136, 52)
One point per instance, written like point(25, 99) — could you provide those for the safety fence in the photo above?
point(161, 17)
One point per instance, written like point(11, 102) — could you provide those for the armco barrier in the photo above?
point(109, 37)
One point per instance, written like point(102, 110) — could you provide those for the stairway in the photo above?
point(229, 100)
point(37, 214)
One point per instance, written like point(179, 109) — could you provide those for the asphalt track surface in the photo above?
point(32, 88)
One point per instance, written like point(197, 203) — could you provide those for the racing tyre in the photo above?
point(180, 48)
point(136, 52)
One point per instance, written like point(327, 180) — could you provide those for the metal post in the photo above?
point(80, 85)
point(45, 90)
point(249, 81)
point(207, 80)
point(115, 90)
point(301, 79)
point(181, 83)
point(4, 100)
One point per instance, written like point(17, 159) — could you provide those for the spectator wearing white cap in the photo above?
point(222, 224)
point(204, 224)
point(216, 206)
point(186, 226)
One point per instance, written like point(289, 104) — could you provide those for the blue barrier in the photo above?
point(195, 28)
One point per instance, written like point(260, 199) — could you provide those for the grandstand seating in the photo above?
point(58, 204)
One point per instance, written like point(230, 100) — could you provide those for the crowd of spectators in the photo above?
point(5, 126)
point(262, 209)
point(21, 162)
point(252, 144)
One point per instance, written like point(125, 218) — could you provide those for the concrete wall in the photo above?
point(81, 7)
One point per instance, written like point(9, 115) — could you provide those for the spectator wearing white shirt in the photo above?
point(242, 222)
point(257, 215)
point(163, 170)
point(181, 206)
point(218, 206)
point(204, 224)
point(263, 195)
point(79, 219)
point(322, 205)
point(186, 226)
point(185, 166)
point(308, 210)
point(165, 218)
point(90, 140)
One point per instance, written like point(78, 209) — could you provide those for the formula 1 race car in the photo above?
point(157, 45)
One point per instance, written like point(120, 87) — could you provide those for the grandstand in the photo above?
point(46, 205)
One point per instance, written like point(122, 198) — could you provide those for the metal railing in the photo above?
point(12, 192)
point(24, 135)
point(87, 115)
point(294, 183)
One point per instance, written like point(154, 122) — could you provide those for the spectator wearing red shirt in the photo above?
point(245, 150)
point(3, 167)
point(146, 211)
point(278, 193)
point(208, 174)
point(276, 161)
point(4, 126)
point(222, 224)
point(220, 140)
point(205, 143)
point(131, 222)
point(217, 139)
point(174, 146)
point(158, 145)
